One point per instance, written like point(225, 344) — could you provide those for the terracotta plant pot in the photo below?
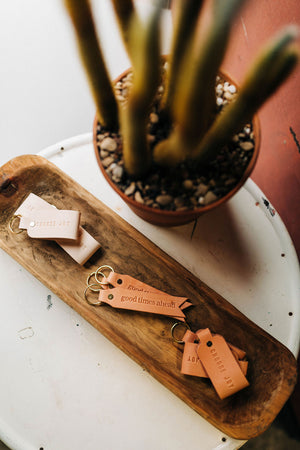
point(175, 218)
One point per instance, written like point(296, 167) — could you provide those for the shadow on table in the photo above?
point(283, 434)
point(224, 243)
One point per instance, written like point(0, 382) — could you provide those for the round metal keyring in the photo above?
point(11, 223)
point(178, 341)
point(89, 287)
point(98, 271)
point(92, 284)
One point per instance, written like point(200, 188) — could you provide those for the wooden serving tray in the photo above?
point(144, 337)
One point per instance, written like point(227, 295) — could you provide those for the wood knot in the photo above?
point(8, 187)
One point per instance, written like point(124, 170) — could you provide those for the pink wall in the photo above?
point(277, 171)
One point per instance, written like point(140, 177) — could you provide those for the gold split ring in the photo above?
point(89, 287)
point(178, 341)
point(91, 284)
point(99, 271)
point(11, 224)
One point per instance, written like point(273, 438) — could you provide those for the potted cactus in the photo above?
point(174, 136)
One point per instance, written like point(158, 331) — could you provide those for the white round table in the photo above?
point(66, 387)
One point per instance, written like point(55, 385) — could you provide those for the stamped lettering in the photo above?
point(220, 364)
point(191, 364)
point(146, 299)
point(52, 223)
point(80, 249)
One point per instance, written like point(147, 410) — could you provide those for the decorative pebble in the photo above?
point(209, 197)
point(108, 144)
point(219, 101)
point(230, 181)
point(247, 145)
point(154, 118)
point(117, 173)
point(228, 95)
point(150, 138)
point(107, 161)
point(127, 84)
point(232, 89)
point(201, 189)
point(179, 202)
point(103, 154)
point(164, 200)
point(112, 166)
point(188, 185)
point(131, 189)
point(138, 197)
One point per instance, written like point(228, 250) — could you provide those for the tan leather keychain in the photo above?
point(125, 292)
point(208, 355)
point(205, 355)
point(34, 207)
point(220, 364)
point(52, 224)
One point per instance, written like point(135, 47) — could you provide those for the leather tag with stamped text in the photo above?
point(134, 285)
point(191, 364)
point(191, 337)
point(220, 364)
point(52, 224)
point(81, 249)
point(155, 302)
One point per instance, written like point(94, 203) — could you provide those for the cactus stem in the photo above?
point(92, 58)
point(269, 71)
point(186, 17)
point(125, 11)
point(145, 47)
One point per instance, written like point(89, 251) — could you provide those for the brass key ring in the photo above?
point(96, 287)
point(94, 290)
point(178, 341)
point(11, 223)
point(92, 284)
point(98, 271)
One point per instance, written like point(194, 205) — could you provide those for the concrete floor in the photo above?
point(284, 434)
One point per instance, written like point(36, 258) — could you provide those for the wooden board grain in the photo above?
point(144, 337)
